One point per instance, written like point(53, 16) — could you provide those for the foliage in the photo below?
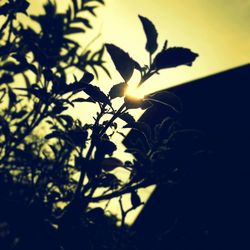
point(45, 205)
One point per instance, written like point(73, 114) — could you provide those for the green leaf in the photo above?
point(151, 34)
point(122, 61)
point(118, 90)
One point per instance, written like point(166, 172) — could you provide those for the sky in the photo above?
point(218, 30)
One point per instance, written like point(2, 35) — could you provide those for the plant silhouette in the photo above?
point(43, 204)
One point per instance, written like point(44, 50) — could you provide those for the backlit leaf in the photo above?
point(151, 34)
point(122, 61)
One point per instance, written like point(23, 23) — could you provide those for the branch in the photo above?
point(125, 190)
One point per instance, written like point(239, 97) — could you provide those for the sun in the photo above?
point(134, 91)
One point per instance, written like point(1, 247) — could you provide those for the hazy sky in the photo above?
point(219, 30)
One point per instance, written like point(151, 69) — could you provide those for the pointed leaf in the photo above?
point(135, 199)
point(109, 164)
point(151, 34)
point(127, 118)
point(96, 94)
point(118, 90)
point(174, 57)
point(122, 61)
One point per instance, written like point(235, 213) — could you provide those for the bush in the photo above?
point(43, 148)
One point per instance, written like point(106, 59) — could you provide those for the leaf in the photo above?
point(122, 61)
point(72, 30)
point(105, 147)
point(132, 102)
point(90, 9)
point(151, 34)
point(96, 94)
point(84, 21)
point(68, 119)
point(83, 100)
point(174, 57)
point(142, 127)
point(75, 5)
point(135, 199)
point(127, 118)
point(12, 97)
point(118, 90)
point(75, 87)
point(55, 134)
point(167, 99)
point(109, 164)
point(19, 114)
point(78, 136)
point(87, 77)
point(109, 181)
point(6, 78)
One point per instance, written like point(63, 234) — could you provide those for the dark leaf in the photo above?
point(122, 61)
point(118, 90)
point(109, 164)
point(127, 118)
point(166, 98)
point(174, 57)
point(90, 9)
point(12, 97)
point(75, 5)
point(78, 136)
point(6, 78)
point(73, 87)
point(55, 134)
point(19, 114)
point(68, 119)
point(135, 199)
point(87, 77)
point(146, 104)
point(96, 94)
point(84, 21)
point(151, 34)
point(142, 127)
point(72, 30)
point(110, 181)
point(83, 100)
point(105, 147)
